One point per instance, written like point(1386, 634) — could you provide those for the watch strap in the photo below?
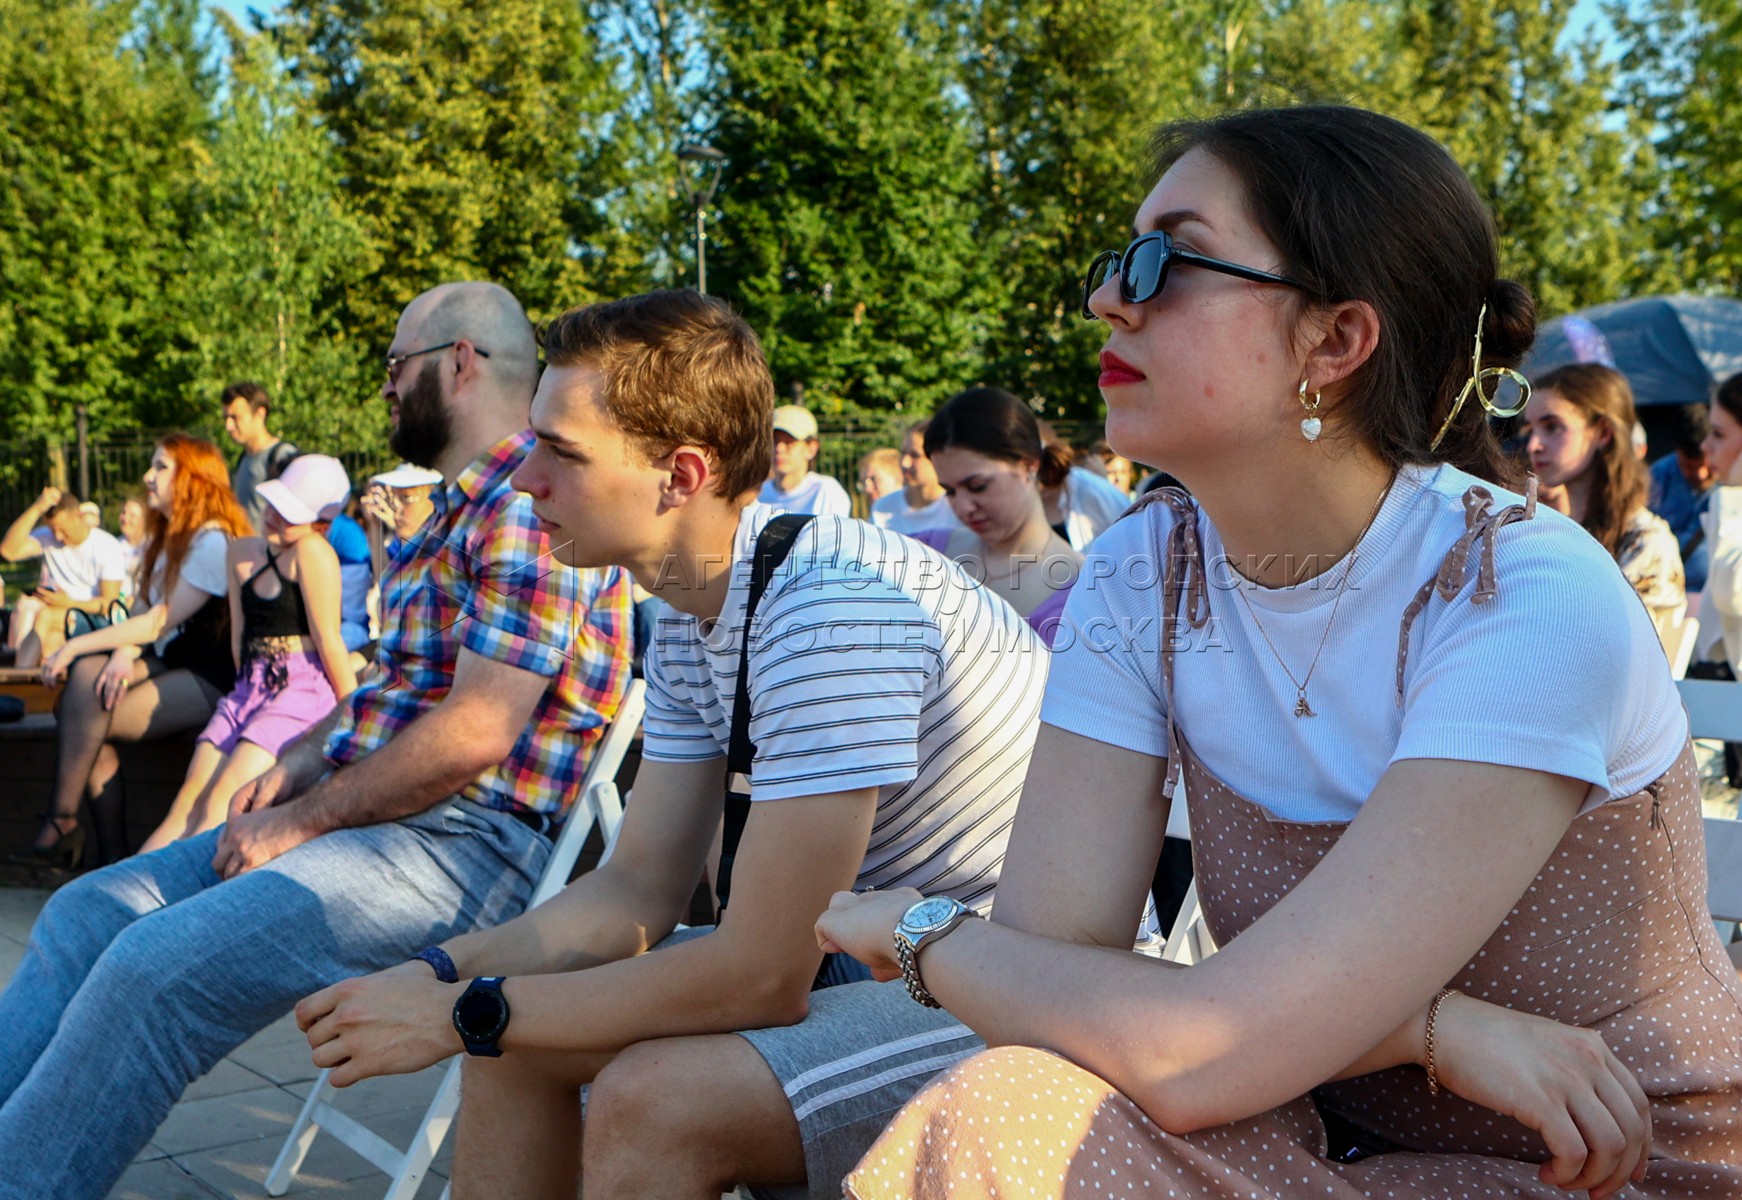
point(439, 962)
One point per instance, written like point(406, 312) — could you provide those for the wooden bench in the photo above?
point(26, 685)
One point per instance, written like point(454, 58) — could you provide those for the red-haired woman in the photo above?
point(156, 673)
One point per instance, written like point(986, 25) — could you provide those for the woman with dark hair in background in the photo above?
point(1681, 482)
point(156, 673)
point(986, 448)
point(1578, 433)
point(1444, 811)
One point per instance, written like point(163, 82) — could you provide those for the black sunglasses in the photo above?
point(1142, 269)
point(393, 360)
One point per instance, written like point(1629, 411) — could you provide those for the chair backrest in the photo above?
point(1714, 708)
point(598, 803)
point(1724, 868)
point(1678, 645)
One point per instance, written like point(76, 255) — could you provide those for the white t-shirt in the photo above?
point(875, 662)
point(79, 572)
point(130, 562)
point(893, 512)
point(1561, 671)
point(819, 494)
point(205, 567)
point(1090, 505)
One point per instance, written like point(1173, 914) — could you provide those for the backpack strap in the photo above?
point(772, 546)
point(279, 458)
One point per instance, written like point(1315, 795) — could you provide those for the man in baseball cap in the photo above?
point(792, 485)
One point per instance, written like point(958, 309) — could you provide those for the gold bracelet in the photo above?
point(1433, 1011)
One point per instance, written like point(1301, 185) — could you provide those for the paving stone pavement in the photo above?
point(219, 1142)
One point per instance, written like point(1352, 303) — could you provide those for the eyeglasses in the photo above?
point(1142, 269)
point(393, 360)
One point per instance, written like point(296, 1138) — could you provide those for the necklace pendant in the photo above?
point(1302, 708)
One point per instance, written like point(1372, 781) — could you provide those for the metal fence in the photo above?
point(115, 467)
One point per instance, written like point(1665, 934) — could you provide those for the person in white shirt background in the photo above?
point(132, 541)
point(1084, 504)
point(792, 485)
point(82, 569)
point(921, 503)
point(879, 476)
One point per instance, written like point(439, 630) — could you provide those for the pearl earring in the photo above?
point(1310, 425)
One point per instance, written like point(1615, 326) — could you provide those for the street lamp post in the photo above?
point(710, 163)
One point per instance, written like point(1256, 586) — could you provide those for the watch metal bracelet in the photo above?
point(909, 962)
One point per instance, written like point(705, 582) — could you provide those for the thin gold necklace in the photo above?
point(1301, 707)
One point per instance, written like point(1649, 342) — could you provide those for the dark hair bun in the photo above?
point(1056, 460)
point(1510, 329)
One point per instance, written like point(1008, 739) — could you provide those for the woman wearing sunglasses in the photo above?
point(1464, 944)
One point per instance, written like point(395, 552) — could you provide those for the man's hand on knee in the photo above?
point(272, 786)
point(256, 838)
point(393, 1022)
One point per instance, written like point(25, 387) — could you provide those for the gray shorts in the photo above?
point(860, 1054)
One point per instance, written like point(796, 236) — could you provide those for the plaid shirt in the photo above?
point(479, 575)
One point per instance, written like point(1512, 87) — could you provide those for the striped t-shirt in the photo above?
point(874, 662)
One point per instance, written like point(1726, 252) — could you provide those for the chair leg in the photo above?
point(430, 1135)
point(302, 1136)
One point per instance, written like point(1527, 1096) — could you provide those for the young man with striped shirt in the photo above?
point(893, 706)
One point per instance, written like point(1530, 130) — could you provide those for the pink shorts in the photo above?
point(272, 721)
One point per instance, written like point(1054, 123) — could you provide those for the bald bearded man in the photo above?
point(421, 808)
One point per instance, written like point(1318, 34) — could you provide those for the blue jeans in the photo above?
point(140, 977)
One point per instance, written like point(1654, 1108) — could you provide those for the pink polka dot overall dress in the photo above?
point(1613, 935)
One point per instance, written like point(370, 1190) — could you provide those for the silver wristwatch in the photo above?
point(919, 926)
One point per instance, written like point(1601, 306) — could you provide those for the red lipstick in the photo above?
point(1115, 371)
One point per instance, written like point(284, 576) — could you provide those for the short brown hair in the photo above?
point(680, 369)
point(67, 503)
point(244, 389)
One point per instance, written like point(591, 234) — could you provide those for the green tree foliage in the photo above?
point(913, 190)
point(849, 204)
point(271, 247)
point(468, 140)
point(1684, 77)
point(666, 79)
point(102, 106)
point(1522, 109)
point(1062, 98)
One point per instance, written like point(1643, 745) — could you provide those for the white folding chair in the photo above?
point(1724, 870)
point(599, 806)
point(1714, 708)
point(1678, 646)
point(1715, 711)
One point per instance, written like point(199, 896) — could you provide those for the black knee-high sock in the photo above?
point(81, 728)
point(108, 799)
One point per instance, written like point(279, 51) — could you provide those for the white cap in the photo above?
point(796, 421)
point(314, 487)
point(407, 476)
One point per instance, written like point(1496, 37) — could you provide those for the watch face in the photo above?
point(480, 1015)
point(929, 914)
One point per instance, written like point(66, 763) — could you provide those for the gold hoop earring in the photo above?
point(1310, 425)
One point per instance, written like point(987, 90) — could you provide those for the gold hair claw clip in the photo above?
point(1478, 374)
